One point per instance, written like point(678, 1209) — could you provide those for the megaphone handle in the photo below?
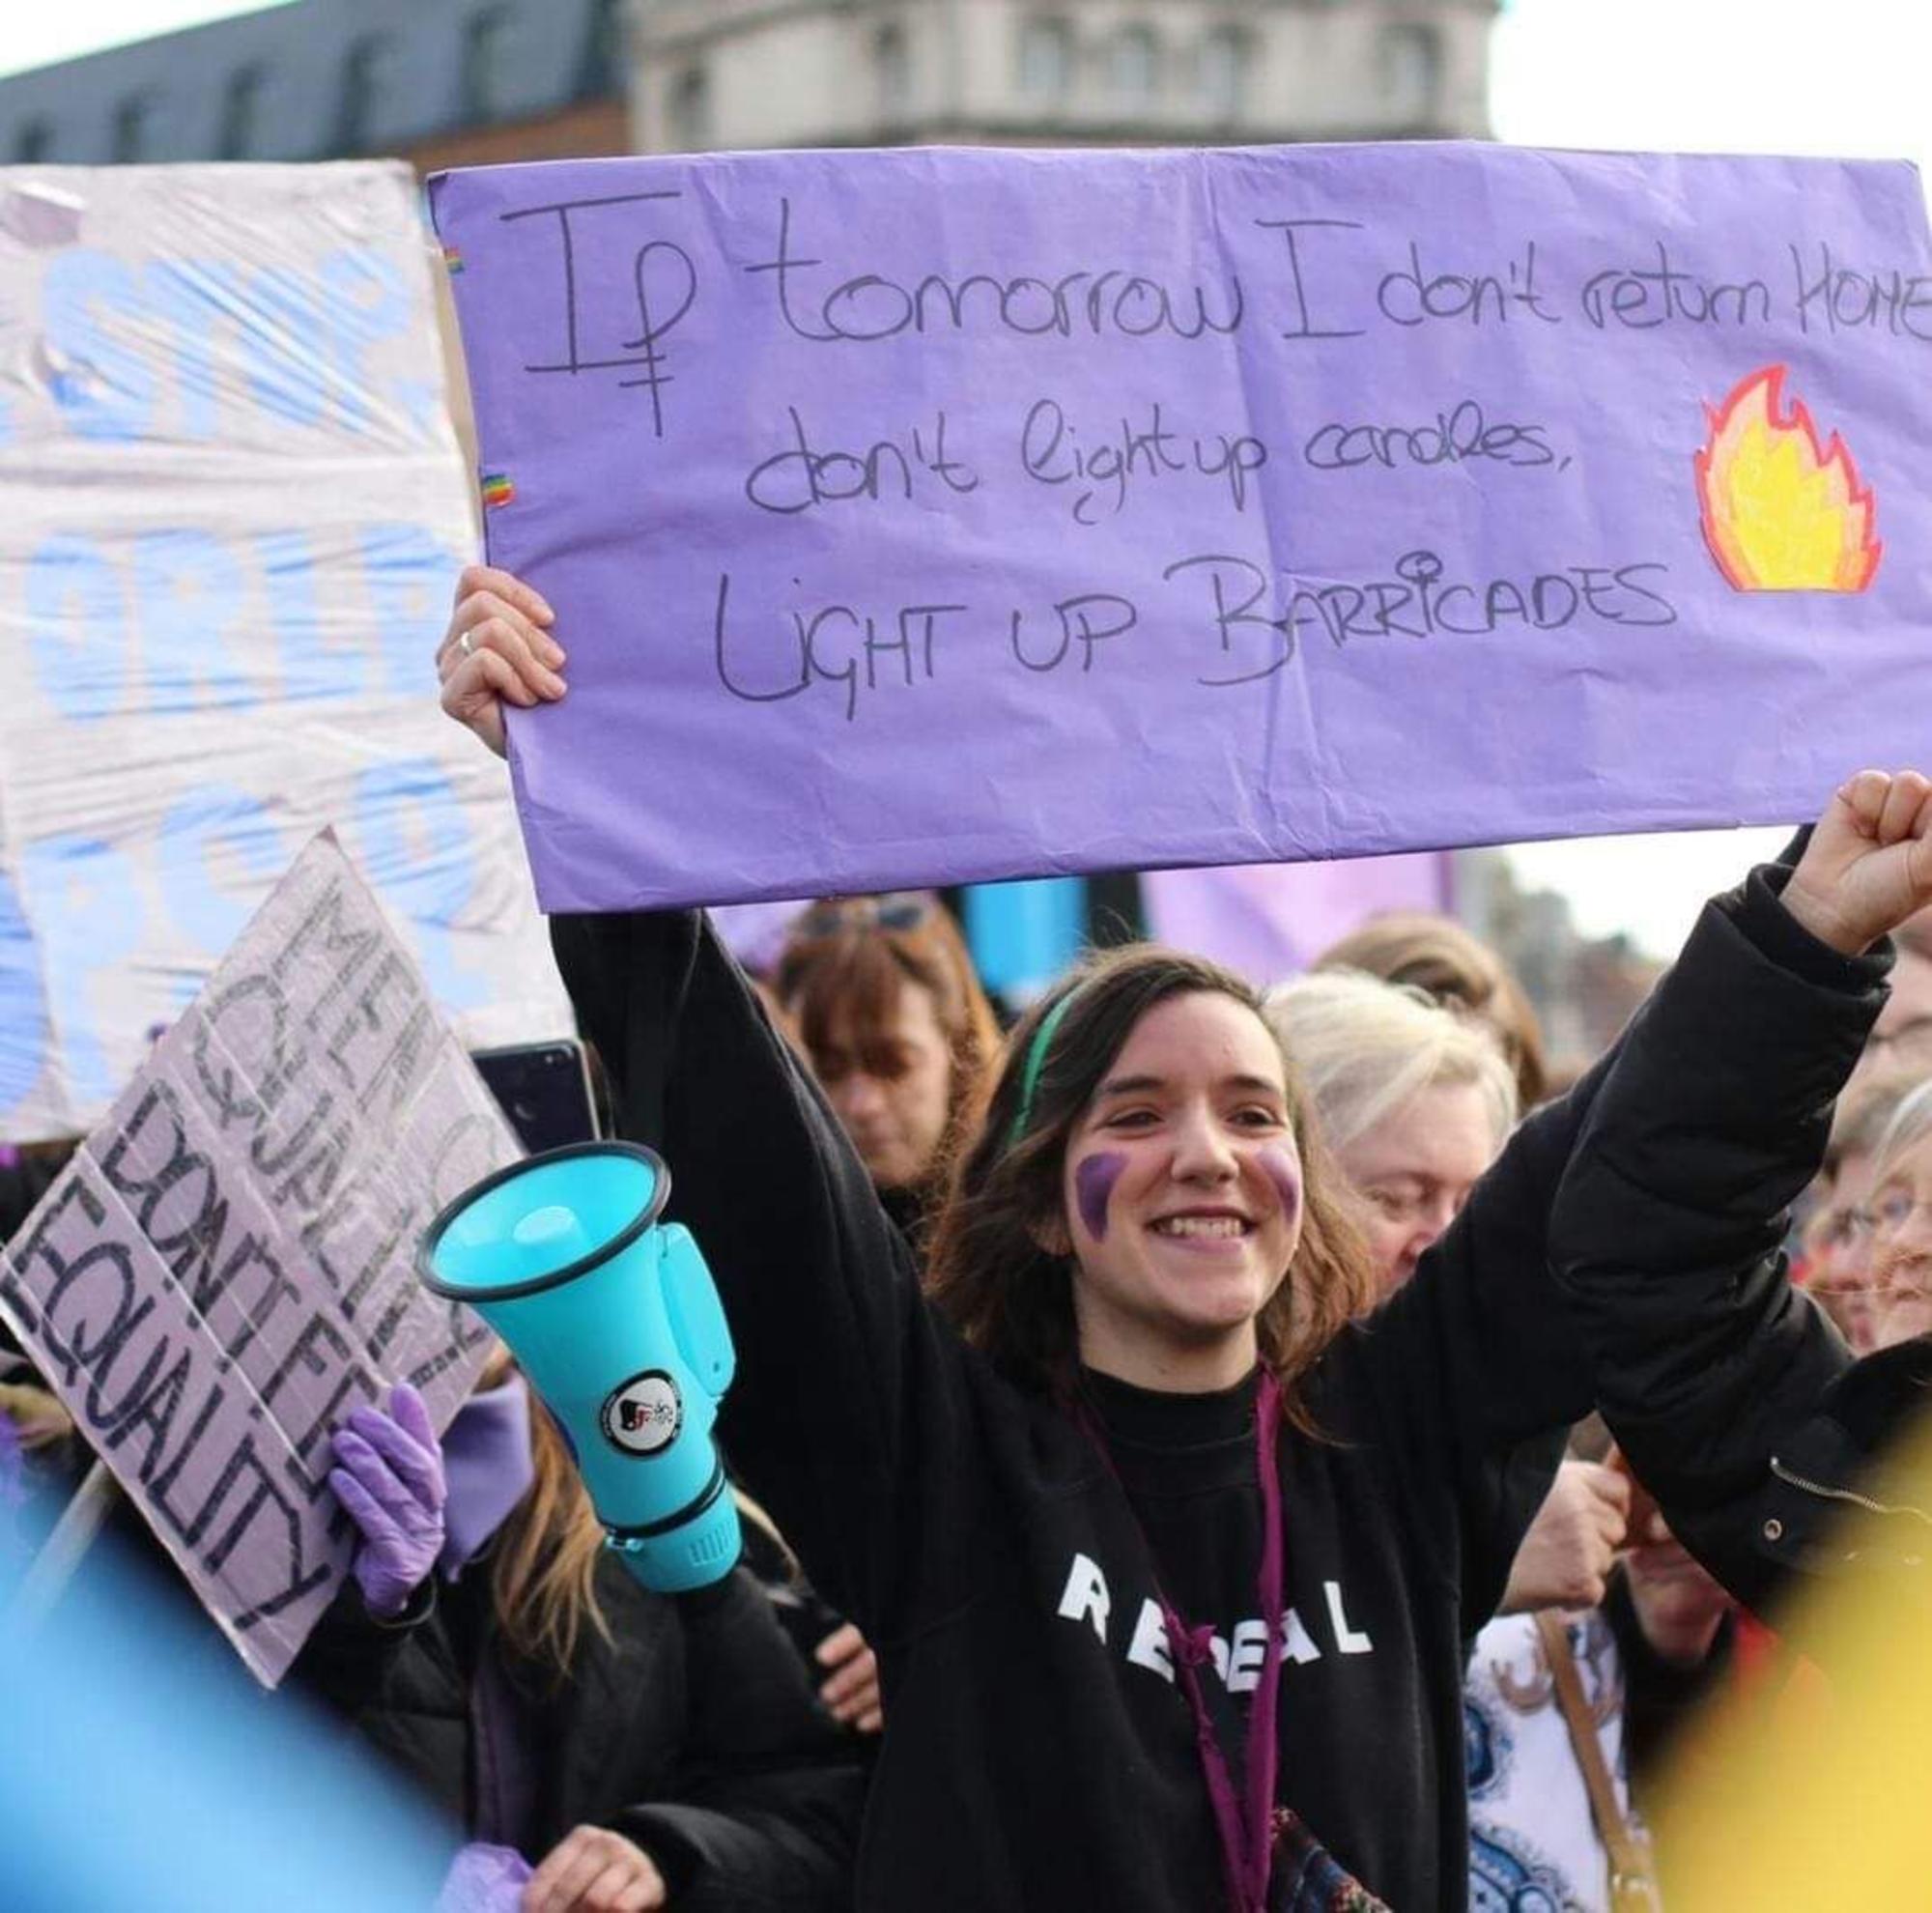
point(696, 1314)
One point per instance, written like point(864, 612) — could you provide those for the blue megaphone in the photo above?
point(614, 1320)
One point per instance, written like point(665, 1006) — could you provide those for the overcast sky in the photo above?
point(1799, 76)
point(37, 35)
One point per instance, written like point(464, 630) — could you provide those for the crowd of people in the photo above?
point(1201, 1447)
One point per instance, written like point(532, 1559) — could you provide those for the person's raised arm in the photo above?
point(1670, 1219)
point(845, 1411)
point(1500, 1361)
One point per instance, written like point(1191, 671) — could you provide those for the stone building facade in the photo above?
point(729, 74)
point(453, 82)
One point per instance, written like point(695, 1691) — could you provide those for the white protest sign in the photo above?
point(224, 1269)
point(231, 511)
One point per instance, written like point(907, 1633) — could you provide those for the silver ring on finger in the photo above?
point(465, 647)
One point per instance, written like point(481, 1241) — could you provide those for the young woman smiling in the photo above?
point(1170, 1563)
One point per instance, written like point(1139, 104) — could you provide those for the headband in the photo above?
point(1035, 1063)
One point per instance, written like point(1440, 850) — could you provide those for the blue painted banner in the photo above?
point(232, 509)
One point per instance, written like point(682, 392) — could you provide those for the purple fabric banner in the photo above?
point(223, 1271)
point(1269, 921)
point(932, 516)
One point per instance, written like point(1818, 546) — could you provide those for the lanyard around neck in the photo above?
point(1246, 1828)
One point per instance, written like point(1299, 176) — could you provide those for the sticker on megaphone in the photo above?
point(643, 1415)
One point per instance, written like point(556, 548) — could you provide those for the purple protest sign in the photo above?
point(928, 516)
point(223, 1271)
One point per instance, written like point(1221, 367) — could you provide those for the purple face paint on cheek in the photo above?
point(1284, 1171)
point(1093, 1181)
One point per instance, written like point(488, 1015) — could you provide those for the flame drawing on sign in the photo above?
point(1780, 512)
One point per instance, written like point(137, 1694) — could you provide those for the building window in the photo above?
point(1133, 66)
point(688, 111)
point(602, 68)
point(241, 113)
point(33, 143)
point(892, 72)
point(1225, 56)
point(134, 128)
point(1046, 59)
point(1412, 70)
point(368, 81)
point(485, 44)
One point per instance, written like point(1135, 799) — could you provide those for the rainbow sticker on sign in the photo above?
point(497, 489)
point(452, 259)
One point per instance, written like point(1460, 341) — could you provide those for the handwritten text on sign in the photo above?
point(922, 516)
point(224, 1269)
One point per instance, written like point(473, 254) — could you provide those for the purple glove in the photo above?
point(389, 1475)
point(484, 1879)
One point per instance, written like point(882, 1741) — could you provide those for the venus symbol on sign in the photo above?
point(678, 281)
point(664, 282)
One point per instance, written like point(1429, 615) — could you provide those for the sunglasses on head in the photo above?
point(896, 910)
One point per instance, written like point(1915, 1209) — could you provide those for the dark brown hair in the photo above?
point(1010, 1297)
point(838, 980)
point(1439, 956)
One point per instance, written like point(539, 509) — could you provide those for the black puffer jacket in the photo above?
point(694, 1735)
point(1736, 1401)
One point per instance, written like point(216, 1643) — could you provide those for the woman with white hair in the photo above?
point(1415, 1102)
point(1896, 1221)
point(1838, 1269)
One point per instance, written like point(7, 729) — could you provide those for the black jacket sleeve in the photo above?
point(352, 1652)
point(398, 1685)
point(1670, 1215)
point(850, 1411)
point(1478, 1358)
point(767, 1812)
